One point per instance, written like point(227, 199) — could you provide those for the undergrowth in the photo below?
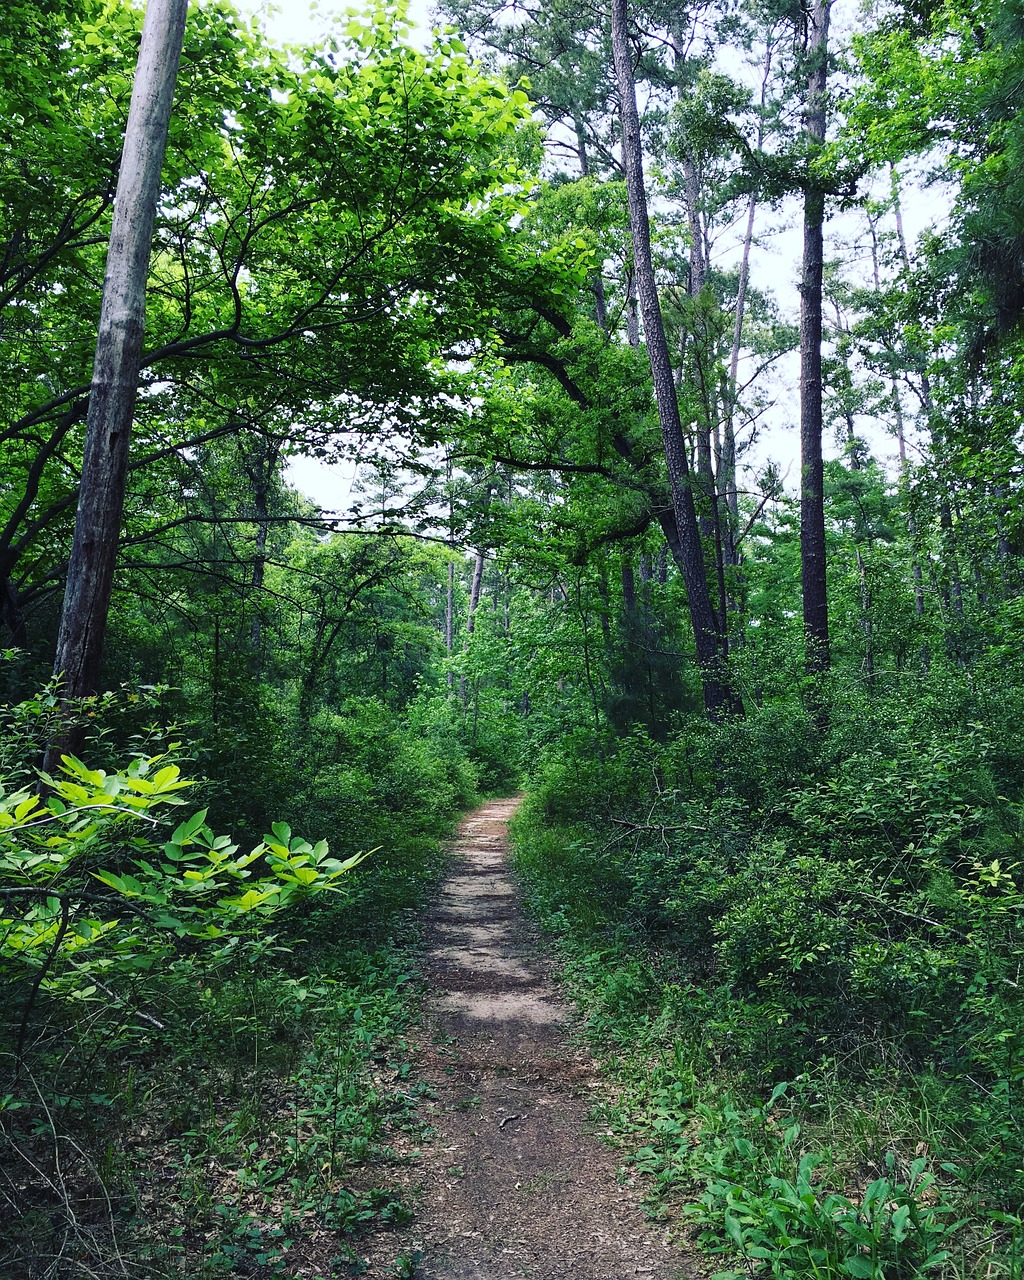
point(253, 1132)
point(233, 1104)
point(800, 960)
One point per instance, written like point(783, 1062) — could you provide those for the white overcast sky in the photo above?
point(775, 264)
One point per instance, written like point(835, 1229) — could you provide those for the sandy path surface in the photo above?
point(513, 1184)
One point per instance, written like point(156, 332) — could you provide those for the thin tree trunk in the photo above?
point(628, 589)
point(812, 503)
point(449, 621)
point(605, 610)
point(10, 612)
point(901, 440)
point(719, 698)
point(727, 467)
point(707, 507)
point(474, 601)
point(867, 622)
point(118, 353)
point(260, 470)
point(926, 402)
point(691, 186)
point(600, 303)
point(727, 470)
point(632, 314)
point(474, 591)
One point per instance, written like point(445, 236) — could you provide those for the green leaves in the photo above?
point(762, 1200)
point(58, 904)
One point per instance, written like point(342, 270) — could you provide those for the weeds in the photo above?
point(247, 1130)
point(847, 952)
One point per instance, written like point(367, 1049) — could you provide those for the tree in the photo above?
point(709, 632)
point(118, 352)
point(812, 481)
point(308, 244)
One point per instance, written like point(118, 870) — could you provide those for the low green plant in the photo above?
point(87, 898)
point(766, 1198)
point(846, 911)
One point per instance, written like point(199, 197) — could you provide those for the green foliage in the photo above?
point(844, 910)
point(54, 854)
point(762, 1200)
point(134, 960)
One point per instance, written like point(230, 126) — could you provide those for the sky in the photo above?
point(301, 22)
point(775, 265)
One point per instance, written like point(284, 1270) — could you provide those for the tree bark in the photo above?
point(812, 503)
point(727, 466)
point(475, 587)
point(118, 352)
point(719, 698)
point(449, 621)
point(628, 589)
point(10, 612)
point(474, 591)
point(260, 466)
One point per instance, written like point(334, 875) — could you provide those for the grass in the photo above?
point(822, 1177)
point(257, 1133)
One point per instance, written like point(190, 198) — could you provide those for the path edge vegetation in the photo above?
point(809, 917)
point(788, 1164)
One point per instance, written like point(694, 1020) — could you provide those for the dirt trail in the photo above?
point(513, 1184)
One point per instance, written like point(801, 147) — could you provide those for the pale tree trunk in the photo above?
point(260, 467)
point(707, 514)
point(901, 440)
point(945, 513)
point(476, 584)
point(632, 313)
point(867, 622)
point(474, 591)
point(691, 186)
point(727, 489)
point(812, 502)
point(719, 698)
point(897, 403)
point(118, 352)
point(449, 619)
point(726, 461)
point(600, 303)
point(727, 466)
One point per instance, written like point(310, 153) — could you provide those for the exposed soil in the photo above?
point(513, 1183)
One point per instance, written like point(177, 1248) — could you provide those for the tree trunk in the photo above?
point(118, 352)
point(707, 505)
point(727, 466)
point(474, 591)
point(812, 504)
point(260, 467)
point(10, 612)
point(719, 698)
point(632, 314)
point(628, 589)
point(727, 489)
point(867, 622)
point(474, 601)
point(449, 621)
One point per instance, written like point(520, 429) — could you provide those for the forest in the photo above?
point(667, 359)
